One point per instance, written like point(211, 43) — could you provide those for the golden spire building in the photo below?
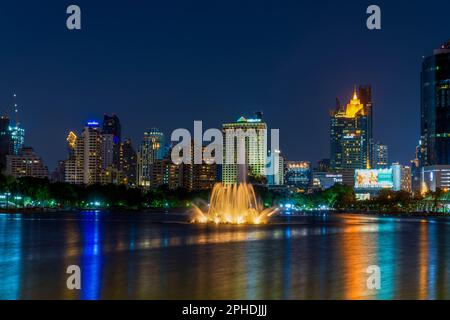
point(351, 132)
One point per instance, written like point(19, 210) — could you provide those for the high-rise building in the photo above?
point(128, 160)
point(380, 156)
point(85, 165)
point(112, 133)
point(350, 134)
point(26, 164)
point(276, 177)
point(435, 108)
point(151, 149)
point(245, 150)
point(6, 144)
point(401, 177)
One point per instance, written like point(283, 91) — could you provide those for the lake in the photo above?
point(161, 256)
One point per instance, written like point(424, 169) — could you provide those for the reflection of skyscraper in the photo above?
point(152, 149)
point(350, 134)
point(435, 108)
point(250, 144)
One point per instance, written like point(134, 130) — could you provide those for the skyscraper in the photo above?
point(128, 160)
point(435, 108)
point(112, 136)
point(151, 149)
point(6, 144)
point(380, 155)
point(245, 138)
point(85, 165)
point(350, 133)
point(276, 177)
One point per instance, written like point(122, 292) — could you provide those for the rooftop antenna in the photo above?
point(16, 110)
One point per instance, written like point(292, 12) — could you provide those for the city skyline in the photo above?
point(271, 73)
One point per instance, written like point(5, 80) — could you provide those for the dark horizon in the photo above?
point(166, 65)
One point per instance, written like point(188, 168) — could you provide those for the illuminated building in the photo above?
point(401, 177)
point(380, 156)
point(152, 149)
point(325, 180)
point(112, 134)
point(6, 144)
point(298, 174)
point(435, 108)
point(351, 133)
point(188, 176)
point(26, 164)
point(275, 174)
point(435, 177)
point(84, 165)
point(245, 138)
point(17, 137)
point(128, 160)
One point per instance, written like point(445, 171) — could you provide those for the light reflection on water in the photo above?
point(134, 256)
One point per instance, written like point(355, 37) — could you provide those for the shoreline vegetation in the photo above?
point(33, 195)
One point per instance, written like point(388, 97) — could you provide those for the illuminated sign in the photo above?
point(92, 124)
point(374, 179)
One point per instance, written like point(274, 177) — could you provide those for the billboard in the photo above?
point(374, 178)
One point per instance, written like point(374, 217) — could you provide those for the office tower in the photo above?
point(401, 177)
point(84, 166)
point(245, 150)
point(380, 155)
point(435, 108)
point(6, 144)
point(275, 175)
point(128, 164)
point(151, 149)
point(298, 174)
point(108, 151)
point(26, 164)
point(350, 135)
point(112, 133)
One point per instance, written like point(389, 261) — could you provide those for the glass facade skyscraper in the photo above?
point(435, 108)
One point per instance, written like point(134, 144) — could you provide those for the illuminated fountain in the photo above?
point(233, 204)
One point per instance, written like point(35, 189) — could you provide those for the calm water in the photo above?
point(132, 256)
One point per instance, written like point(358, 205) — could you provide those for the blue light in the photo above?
point(92, 123)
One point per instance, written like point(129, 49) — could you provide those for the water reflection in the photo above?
point(308, 257)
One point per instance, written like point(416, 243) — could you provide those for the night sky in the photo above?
point(167, 63)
